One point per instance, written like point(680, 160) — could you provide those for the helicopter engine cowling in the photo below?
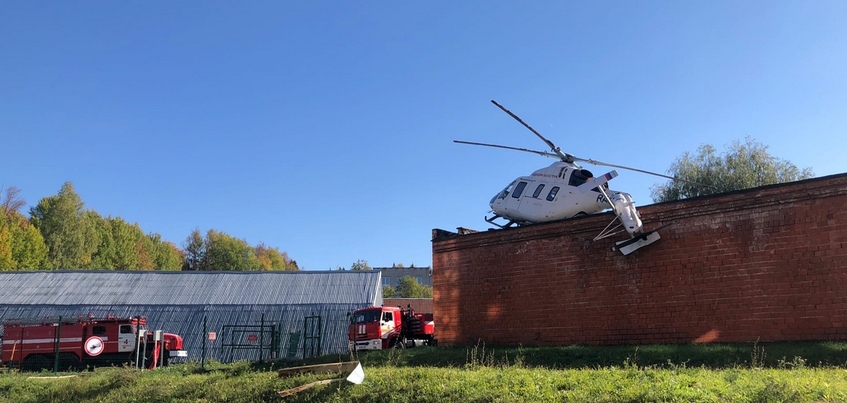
point(625, 208)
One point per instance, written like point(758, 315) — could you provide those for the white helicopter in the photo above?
point(564, 190)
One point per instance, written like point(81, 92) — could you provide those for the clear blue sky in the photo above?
point(325, 128)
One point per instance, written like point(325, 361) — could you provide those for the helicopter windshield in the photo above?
point(506, 191)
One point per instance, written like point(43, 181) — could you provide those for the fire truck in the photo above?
point(36, 344)
point(383, 327)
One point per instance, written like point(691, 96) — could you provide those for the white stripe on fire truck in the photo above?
point(50, 340)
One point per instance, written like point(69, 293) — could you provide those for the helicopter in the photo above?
point(565, 190)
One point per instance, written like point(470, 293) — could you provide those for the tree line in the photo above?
point(61, 234)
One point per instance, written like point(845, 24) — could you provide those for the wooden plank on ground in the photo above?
point(343, 367)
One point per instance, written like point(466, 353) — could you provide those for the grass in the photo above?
point(795, 372)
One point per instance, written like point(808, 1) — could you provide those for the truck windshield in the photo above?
point(367, 317)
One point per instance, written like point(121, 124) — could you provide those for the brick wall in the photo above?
point(766, 264)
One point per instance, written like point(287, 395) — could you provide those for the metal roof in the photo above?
point(187, 288)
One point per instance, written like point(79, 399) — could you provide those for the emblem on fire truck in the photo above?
point(94, 346)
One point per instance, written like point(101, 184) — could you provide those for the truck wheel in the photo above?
point(399, 342)
point(35, 362)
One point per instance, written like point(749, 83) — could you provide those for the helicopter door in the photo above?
point(513, 201)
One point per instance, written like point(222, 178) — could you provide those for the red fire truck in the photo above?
point(35, 344)
point(382, 327)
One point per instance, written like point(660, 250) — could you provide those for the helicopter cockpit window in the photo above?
point(506, 191)
point(538, 191)
point(552, 194)
point(580, 176)
point(519, 190)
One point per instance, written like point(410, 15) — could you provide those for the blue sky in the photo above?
point(325, 128)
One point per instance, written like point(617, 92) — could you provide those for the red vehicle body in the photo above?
point(382, 327)
point(35, 344)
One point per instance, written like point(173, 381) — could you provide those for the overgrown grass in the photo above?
point(796, 372)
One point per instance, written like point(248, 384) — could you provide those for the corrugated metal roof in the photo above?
point(181, 302)
point(187, 288)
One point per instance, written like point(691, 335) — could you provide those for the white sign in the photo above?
point(94, 346)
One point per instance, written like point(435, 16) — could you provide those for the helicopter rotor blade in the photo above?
point(570, 158)
point(558, 151)
point(673, 178)
point(542, 153)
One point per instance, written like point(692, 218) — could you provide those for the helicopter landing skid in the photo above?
point(638, 242)
point(506, 225)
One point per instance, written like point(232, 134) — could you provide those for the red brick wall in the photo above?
point(766, 264)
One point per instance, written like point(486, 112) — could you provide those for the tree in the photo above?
point(70, 237)
point(165, 254)
point(225, 252)
point(270, 258)
point(220, 251)
point(21, 245)
point(742, 166)
point(12, 202)
point(408, 287)
point(388, 292)
point(360, 264)
point(195, 251)
point(6, 260)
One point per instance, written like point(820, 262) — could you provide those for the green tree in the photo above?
point(225, 252)
point(105, 255)
point(388, 292)
point(28, 248)
point(272, 259)
point(166, 255)
point(408, 287)
point(124, 246)
point(21, 244)
point(360, 264)
point(195, 251)
point(742, 166)
point(6, 260)
point(70, 237)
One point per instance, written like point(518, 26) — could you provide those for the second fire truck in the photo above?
point(382, 327)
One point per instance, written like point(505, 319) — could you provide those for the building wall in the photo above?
point(422, 305)
point(392, 275)
point(766, 264)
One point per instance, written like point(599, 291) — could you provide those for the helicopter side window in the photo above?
point(519, 190)
point(552, 194)
point(538, 191)
point(580, 176)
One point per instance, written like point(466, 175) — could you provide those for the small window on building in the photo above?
point(386, 281)
point(518, 190)
point(98, 330)
point(552, 194)
point(538, 191)
point(420, 280)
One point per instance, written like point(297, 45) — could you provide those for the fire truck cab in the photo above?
point(382, 327)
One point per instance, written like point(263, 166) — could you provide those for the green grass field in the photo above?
point(796, 372)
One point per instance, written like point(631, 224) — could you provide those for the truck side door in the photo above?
point(126, 338)
point(386, 323)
